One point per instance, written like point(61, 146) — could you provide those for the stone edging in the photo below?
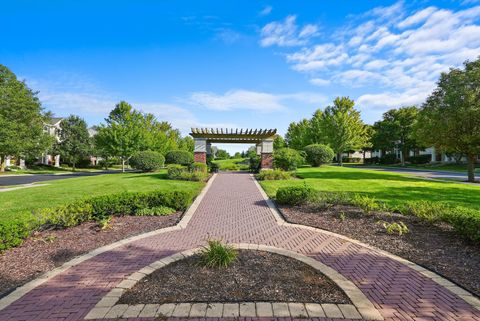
point(27, 287)
point(452, 287)
point(362, 308)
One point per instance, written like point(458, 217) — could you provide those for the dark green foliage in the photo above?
point(287, 159)
point(318, 154)
point(217, 255)
point(389, 159)
point(155, 211)
point(187, 173)
point(199, 167)
point(75, 143)
point(213, 167)
point(466, 222)
point(180, 157)
point(254, 163)
point(295, 195)
point(147, 161)
point(12, 233)
point(420, 159)
point(274, 174)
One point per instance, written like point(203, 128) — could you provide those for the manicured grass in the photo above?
point(436, 167)
point(392, 188)
point(19, 204)
point(232, 164)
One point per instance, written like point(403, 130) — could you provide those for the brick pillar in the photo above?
point(267, 161)
point(267, 154)
point(200, 157)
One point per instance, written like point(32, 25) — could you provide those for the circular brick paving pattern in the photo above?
point(233, 209)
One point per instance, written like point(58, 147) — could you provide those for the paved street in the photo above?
point(11, 180)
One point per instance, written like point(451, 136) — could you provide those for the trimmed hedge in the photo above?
point(191, 173)
point(12, 233)
point(180, 157)
point(147, 161)
point(295, 195)
point(287, 159)
point(318, 154)
point(273, 174)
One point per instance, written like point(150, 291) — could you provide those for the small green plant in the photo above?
point(366, 203)
point(155, 211)
point(217, 255)
point(425, 210)
point(104, 222)
point(295, 195)
point(395, 227)
point(342, 216)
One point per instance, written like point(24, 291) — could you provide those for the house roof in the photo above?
point(55, 120)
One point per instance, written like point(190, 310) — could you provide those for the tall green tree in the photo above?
point(74, 140)
point(124, 133)
point(298, 134)
point(279, 142)
point(450, 118)
point(344, 129)
point(317, 128)
point(22, 119)
point(396, 130)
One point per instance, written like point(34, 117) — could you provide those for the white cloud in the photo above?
point(393, 55)
point(228, 36)
point(266, 11)
point(320, 81)
point(286, 33)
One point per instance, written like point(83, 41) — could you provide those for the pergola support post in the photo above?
point(266, 161)
point(200, 152)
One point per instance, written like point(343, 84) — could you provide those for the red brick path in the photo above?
point(234, 210)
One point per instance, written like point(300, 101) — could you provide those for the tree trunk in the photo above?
point(339, 159)
point(471, 167)
point(123, 165)
point(73, 166)
point(3, 163)
point(364, 156)
point(404, 154)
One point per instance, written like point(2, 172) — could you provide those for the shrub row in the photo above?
point(465, 221)
point(274, 174)
point(194, 172)
point(13, 232)
point(180, 157)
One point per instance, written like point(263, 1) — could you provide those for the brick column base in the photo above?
point(200, 157)
point(267, 161)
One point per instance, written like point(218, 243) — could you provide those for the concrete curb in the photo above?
point(361, 308)
point(452, 287)
point(24, 289)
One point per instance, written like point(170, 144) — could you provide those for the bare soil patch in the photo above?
point(254, 276)
point(433, 246)
point(46, 250)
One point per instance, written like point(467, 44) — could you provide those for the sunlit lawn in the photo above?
point(232, 163)
point(19, 203)
point(392, 188)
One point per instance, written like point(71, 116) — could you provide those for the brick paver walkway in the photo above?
point(233, 209)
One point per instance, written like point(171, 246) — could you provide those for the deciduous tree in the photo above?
point(74, 140)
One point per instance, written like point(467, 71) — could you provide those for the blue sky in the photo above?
point(239, 64)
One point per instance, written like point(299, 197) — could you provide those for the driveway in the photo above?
point(432, 174)
point(34, 178)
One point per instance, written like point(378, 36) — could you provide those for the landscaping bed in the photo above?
point(254, 276)
point(435, 246)
point(46, 250)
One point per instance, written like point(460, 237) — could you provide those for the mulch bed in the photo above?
point(433, 246)
point(46, 250)
point(254, 276)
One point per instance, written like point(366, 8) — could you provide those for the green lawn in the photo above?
point(391, 188)
point(19, 203)
point(436, 167)
point(232, 164)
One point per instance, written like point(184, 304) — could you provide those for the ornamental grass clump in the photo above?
point(217, 255)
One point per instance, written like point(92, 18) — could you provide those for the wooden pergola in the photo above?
point(262, 138)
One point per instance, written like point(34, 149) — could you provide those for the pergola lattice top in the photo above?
point(230, 135)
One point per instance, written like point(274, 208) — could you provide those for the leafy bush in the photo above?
point(274, 174)
point(13, 232)
point(429, 211)
point(147, 161)
point(180, 157)
point(420, 159)
point(199, 167)
point(230, 167)
point(254, 164)
point(155, 211)
point(295, 195)
point(213, 167)
point(372, 160)
point(217, 255)
point(465, 221)
point(389, 159)
point(351, 159)
point(187, 173)
point(318, 154)
point(287, 159)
